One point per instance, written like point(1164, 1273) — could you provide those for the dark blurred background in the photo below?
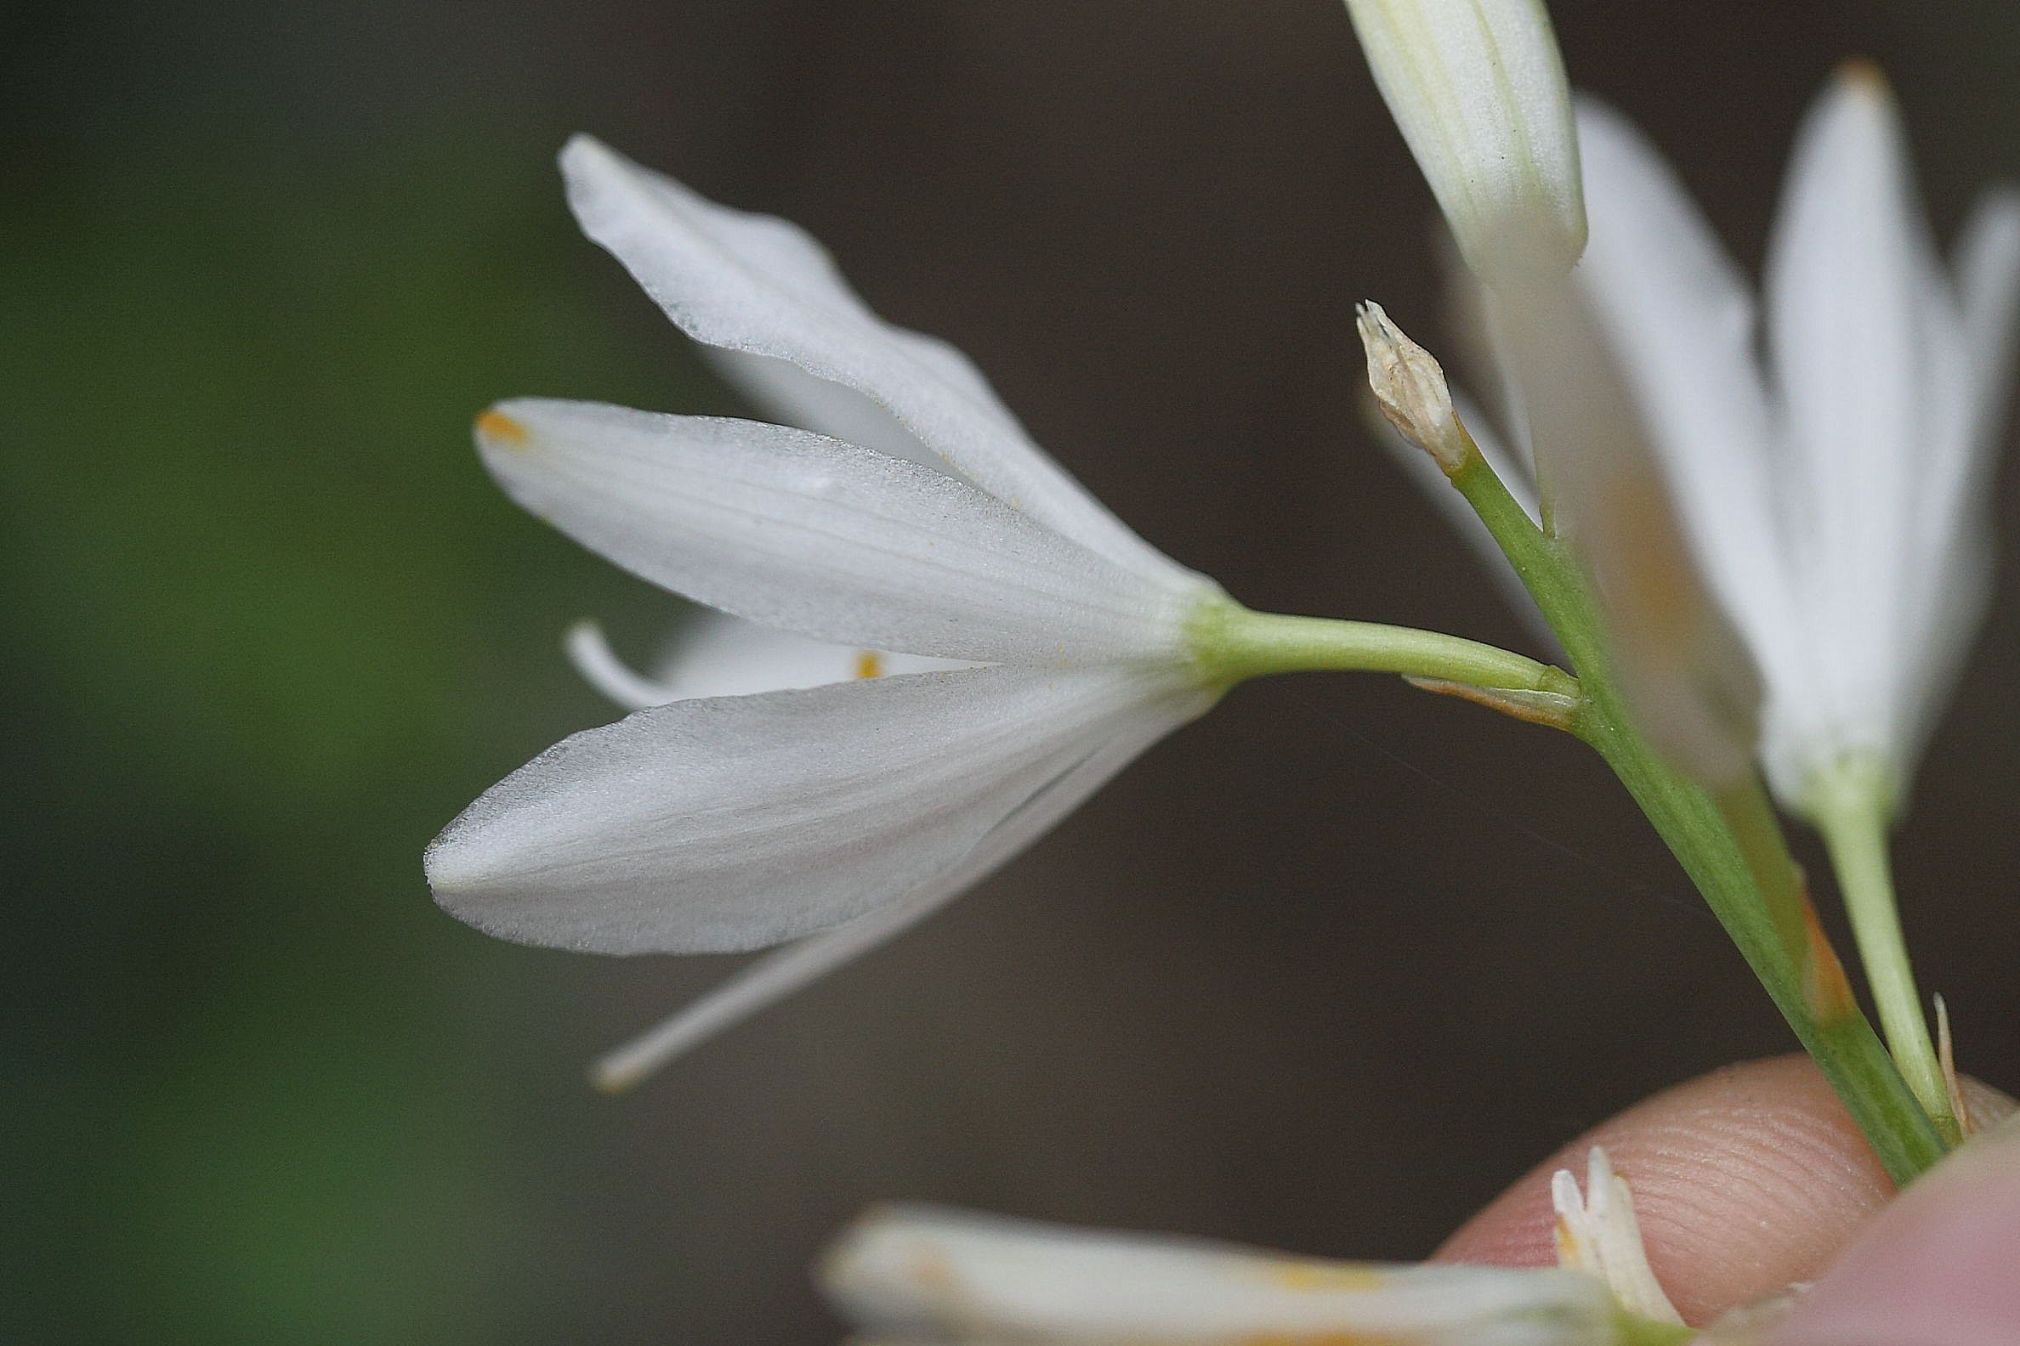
point(1322, 972)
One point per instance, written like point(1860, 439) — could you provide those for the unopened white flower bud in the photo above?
point(1479, 93)
point(1410, 388)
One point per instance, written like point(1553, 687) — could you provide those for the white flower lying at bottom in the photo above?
point(916, 1275)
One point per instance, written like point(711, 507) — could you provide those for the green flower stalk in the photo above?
point(1786, 557)
point(1693, 783)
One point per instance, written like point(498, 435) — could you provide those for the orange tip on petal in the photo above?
point(499, 428)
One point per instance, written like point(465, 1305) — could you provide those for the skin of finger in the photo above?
point(1745, 1180)
point(1938, 1267)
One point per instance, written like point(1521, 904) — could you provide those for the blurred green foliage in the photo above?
point(267, 627)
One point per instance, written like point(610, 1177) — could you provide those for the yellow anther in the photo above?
point(496, 426)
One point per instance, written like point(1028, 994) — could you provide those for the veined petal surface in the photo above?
point(830, 540)
point(953, 1276)
point(1478, 91)
point(757, 283)
point(737, 822)
point(784, 971)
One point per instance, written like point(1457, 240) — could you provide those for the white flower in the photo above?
point(1478, 90)
point(1833, 490)
point(839, 812)
point(915, 1274)
point(918, 1274)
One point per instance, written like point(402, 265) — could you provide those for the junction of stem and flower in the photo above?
point(1729, 843)
point(1727, 840)
point(1722, 830)
point(1230, 643)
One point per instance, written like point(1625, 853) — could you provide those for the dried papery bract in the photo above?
point(1410, 389)
point(1479, 93)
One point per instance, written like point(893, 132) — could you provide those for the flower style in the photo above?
point(1833, 493)
point(772, 787)
point(921, 1274)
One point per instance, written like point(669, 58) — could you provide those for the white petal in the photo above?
point(1481, 345)
point(1865, 340)
point(1953, 588)
point(715, 654)
point(824, 538)
point(1478, 90)
point(1680, 320)
point(779, 974)
point(756, 283)
point(1686, 674)
point(974, 1277)
point(1987, 272)
point(789, 395)
point(737, 822)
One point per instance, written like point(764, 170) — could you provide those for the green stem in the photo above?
point(1850, 806)
point(1734, 854)
point(1231, 643)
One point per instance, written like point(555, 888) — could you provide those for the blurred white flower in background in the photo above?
point(1835, 487)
